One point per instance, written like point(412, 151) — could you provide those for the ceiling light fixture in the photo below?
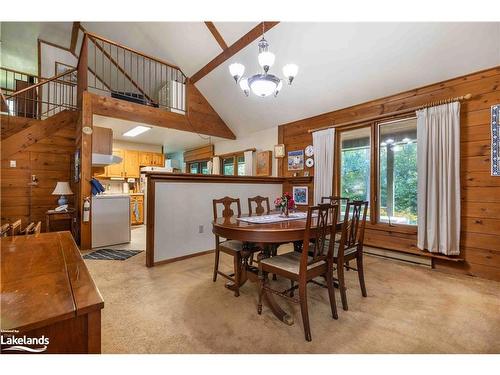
point(263, 84)
point(134, 132)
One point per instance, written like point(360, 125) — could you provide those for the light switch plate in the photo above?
point(13, 164)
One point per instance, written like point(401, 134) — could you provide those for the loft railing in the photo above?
point(13, 80)
point(105, 67)
point(42, 99)
point(127, 74)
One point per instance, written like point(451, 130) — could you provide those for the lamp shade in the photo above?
point(62, 188)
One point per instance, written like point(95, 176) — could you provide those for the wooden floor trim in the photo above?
point(166, 261)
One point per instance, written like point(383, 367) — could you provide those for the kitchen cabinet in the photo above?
point(137, 209)
point(151, 159)
point(158, 160)
point(131, 164)
point(116, 170)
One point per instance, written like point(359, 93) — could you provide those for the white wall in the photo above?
point(263, 140)
point(52, 54)
point(181, 207)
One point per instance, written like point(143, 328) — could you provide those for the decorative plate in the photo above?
point(309, 151)
point(309, 162)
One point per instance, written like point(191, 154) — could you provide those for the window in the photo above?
point(241, 165)
point(198, 167)
point(233, 165)
point(355, 164)
point(193, 168)
point(204, 167)
point(398, 172)
point(228, 166)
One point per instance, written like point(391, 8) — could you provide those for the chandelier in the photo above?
point(263, 84)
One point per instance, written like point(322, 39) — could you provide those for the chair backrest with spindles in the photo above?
point(227, 211)
point(259, 208)
point(316, 246)
point(353, 227)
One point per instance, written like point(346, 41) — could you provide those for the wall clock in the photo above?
point(309, 151)
point(309, 162)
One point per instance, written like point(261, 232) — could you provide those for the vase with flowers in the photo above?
point(285, 203)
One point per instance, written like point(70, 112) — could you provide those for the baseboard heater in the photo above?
point(397, 255)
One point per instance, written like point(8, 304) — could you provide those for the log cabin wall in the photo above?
point(480, 238)
point(50, 160)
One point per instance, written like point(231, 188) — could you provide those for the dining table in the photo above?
point(264, 231)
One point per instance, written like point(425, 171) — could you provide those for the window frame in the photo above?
point(235, 157)
point(374, 126)
point(199, 162)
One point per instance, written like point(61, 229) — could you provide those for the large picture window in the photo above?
point(398, 172)
point(355, 168)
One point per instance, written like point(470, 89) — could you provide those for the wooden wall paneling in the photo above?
point(480, 191)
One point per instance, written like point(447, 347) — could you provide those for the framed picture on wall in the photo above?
point(301, 195)
point(295, 160)
point(495, 140)
point(264, 163)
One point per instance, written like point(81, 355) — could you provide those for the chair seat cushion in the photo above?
point(232, 245)
point(289, 262)
point(349, 251)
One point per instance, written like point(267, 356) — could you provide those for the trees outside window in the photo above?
point(398, 172)
point(355, 164)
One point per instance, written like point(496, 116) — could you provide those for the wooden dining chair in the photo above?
point(259, 208)
point(228, 246)
point(302, 267)
point(5, 230)
point(350, 246)
point(15, 228)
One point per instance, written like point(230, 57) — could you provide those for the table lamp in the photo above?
point(62, 189)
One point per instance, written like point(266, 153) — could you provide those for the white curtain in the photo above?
point(248, 163)
point(215, 165)
point(323, 163)
point(438, 166)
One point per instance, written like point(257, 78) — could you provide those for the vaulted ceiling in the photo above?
point(340, 64)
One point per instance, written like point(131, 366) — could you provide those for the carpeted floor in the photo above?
point(176, 308)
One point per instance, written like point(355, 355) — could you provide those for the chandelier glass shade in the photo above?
point(263, 84)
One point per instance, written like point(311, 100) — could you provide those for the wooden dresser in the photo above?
point(46, 290)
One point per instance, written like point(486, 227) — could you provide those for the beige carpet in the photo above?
point(176, 308)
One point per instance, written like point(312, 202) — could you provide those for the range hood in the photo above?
point(102, 160)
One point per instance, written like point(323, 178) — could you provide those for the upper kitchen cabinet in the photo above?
point(116, 170)
point(151, 159)
point(102, 140)
point(131, 164)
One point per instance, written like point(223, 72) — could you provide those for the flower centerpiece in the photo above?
point(285, 203)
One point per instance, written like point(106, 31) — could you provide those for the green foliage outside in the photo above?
point(355, 179)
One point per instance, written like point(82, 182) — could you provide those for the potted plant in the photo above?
point(285, 203)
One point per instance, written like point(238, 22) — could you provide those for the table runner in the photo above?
point(274, 218)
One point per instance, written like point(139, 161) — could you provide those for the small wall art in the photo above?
point(295, 160)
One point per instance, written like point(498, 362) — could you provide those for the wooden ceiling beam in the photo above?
point(218, 37)
point(74, 37)
point(229, 52)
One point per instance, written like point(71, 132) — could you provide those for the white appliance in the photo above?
point(110, 219)
point(157, 169)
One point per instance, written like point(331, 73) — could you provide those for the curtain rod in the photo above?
point(395, 113)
